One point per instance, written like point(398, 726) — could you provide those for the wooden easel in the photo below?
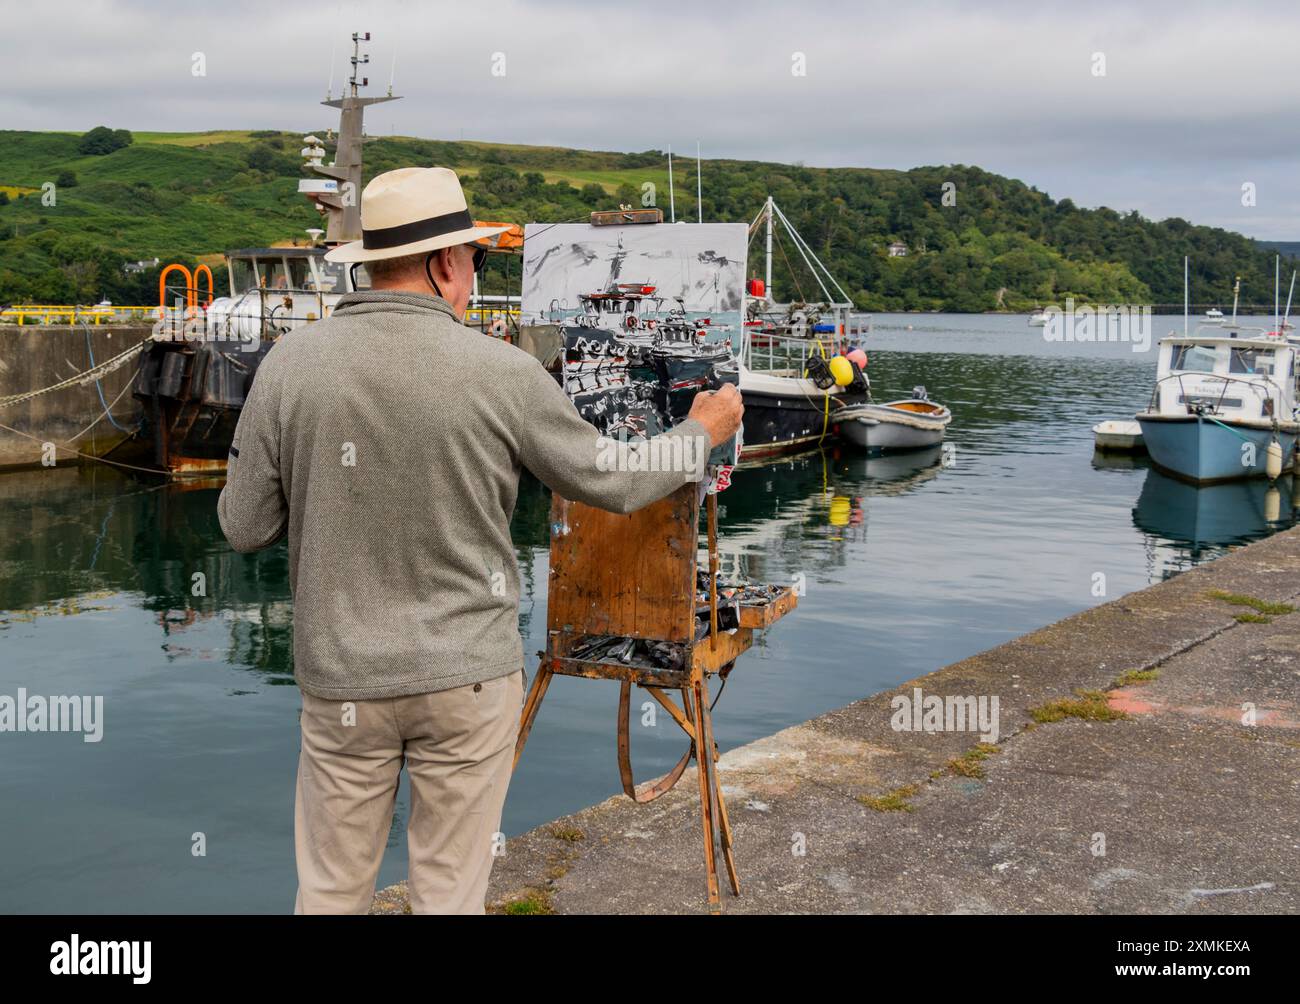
point(634, 576)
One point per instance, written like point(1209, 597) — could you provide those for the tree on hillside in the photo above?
point(82, 278)
point(102, 140)
point(66, 179)
point(261, 158)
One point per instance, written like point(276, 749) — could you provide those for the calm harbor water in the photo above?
point(910, 563)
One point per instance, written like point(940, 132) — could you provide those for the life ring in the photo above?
point(650, 324)
point(498, 327)
point(630, 323)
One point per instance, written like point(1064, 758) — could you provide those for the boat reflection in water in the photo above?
point(1202, 522)
point(775, 509)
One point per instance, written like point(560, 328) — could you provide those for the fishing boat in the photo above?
point(1039, 318)
point(193, 379)
point(791, 401)
point(1214, 316)
point(916, 423)
point(1223, 407)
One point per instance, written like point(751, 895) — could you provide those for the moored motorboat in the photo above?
point(911, 424)
point(1222, 408)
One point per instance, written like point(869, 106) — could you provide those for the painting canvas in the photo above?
point(644, 316)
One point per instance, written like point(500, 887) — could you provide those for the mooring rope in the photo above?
point(107, 413)
point(99, 388)
point(88, 377)
point(102, 460)
point(1244, 439)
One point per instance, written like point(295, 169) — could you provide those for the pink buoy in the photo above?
point(859, 357)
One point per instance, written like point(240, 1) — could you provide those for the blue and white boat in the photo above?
point(1223, 407)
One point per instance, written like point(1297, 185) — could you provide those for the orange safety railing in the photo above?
point(190, 297)
point(204, 270)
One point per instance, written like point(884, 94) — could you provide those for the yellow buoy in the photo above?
point(1273, 460)
point(841, 370)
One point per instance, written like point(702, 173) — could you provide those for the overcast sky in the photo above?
point(1196, 99)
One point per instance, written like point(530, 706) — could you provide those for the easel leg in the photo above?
point(724, 823)
point(704, 763)
point(534, 701)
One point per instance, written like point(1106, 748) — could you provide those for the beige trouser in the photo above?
point(458, 746)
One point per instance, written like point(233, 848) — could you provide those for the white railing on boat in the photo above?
point(764, 351)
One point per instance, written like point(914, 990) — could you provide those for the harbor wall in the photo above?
point(34, 357)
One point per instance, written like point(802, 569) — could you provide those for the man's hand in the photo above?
point(720, 411)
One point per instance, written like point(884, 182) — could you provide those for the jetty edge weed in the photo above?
point(1265, 611)
point(969, 763)
point(894, 801)
point(1090, 705)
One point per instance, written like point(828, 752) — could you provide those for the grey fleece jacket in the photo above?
point(387, 442)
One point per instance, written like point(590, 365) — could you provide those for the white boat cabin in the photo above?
point(1251, 381)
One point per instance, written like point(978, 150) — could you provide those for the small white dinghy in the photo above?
point(1118, 436)
point(912, 424)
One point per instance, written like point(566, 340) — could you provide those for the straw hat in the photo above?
point(410, 211)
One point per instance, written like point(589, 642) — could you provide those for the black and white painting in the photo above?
point(695, 269)
point(643, 316)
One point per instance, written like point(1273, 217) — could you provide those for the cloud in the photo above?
point(1196, 98)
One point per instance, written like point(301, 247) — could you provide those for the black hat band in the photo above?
point(420, 230)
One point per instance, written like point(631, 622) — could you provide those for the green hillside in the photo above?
point(1003, 245)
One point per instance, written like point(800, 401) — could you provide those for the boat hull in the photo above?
point(881, 429)
point(192, 395)
point(776, 424)
point(1202, 451)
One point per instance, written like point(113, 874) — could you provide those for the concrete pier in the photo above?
point(1148, 762)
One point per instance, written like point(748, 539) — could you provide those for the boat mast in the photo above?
point(767, 275)
point(343, 208)
point(1185, 305)
point(1236, 293)
point(672, 199)
point(699, 187)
